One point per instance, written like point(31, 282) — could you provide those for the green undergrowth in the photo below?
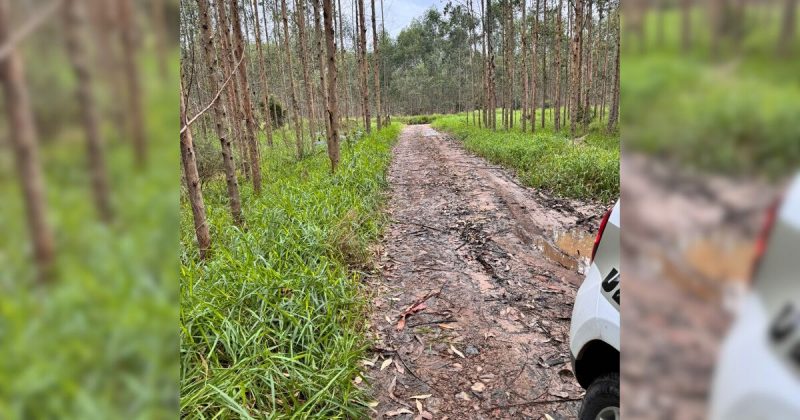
point(588, 169)
point(271, 322)
point(713, 117)
point(417, 119)
point(98, 341)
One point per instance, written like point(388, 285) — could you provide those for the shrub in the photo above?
point(589, 170)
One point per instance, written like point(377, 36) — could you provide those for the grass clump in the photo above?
point(418, 119)
point(588, 169)
point(271, 323)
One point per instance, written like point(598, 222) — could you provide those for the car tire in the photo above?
point(602, 399)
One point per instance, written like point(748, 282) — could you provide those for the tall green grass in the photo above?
point(271, 323)
point(546, 159)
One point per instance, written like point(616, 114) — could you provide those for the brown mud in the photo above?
point(487, 271)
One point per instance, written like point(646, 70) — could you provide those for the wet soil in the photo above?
point(486, 272)
point(687, 249)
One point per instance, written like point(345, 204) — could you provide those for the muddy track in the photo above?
point(491, 339)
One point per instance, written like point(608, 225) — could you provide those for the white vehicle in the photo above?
point(758, 369)
point(594, 331)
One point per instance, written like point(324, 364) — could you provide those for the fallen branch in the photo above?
point(199, 114)
point(28, 27)
point(415, 307)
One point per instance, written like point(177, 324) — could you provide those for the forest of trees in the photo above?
point(513, 55)
point(300, 74)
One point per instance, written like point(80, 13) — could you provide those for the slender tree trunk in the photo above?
point(343, 66)
point(262, 72)
point(193, 184)
point(557, 99)
point(235, 113)
point(363, 64)
point(331, 105)
point(295, 107)
point(613, 114)
point(375, 61)
point(79, 60)
point(130, 47)
point(787, 27)
point(492, 94)
point(300, 12)
point(212, 64)
point(587, 80)
point(323, 86)
point(524, 39)
point(282, 70)
point(250, 125)
point(686, 24)
point(603, 94)
point(534, 41)
point(575, 82)
point(24, 142)
point(485, 72)
point(472, 49)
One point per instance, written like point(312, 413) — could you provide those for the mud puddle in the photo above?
point(570, 249)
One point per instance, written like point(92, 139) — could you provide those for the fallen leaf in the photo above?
point(389, 320)
point(548, 417)
point(419, 406)
point(463, 396)
point(386, 363)
point(478, 387)
point(447, 326)
point(366, 362)
point(392, 385)
point(426, 415)
point(420, 397)
point(560, 394)
point(398, 412)
point(399, 367)
point(372, 404)
point(454, 350)
point(357, 380)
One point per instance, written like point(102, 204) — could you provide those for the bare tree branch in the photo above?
point(221, 88)
point(29, 27)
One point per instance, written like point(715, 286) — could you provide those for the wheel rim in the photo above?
point(608, 413)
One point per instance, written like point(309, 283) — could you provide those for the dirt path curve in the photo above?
point(491, 340)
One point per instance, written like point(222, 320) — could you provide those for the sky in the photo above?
point(399, 13)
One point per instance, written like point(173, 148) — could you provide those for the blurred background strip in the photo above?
point(89, 209)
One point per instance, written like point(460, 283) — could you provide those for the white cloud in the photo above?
point(399, 13)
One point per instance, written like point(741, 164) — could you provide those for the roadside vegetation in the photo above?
point(271, 321)
point(727, 103)
point(587, 168)
point(417, 119)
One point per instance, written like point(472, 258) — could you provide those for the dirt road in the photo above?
point(491, 269)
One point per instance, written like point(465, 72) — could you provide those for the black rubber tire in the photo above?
point(602, 393)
